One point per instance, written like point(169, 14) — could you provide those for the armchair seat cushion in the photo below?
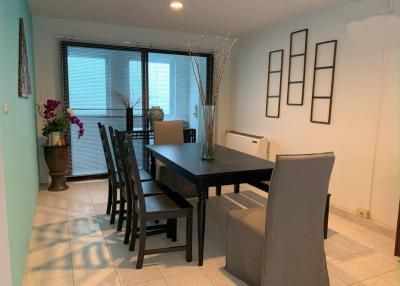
point(244, 246)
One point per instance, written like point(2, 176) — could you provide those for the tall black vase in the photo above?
point(129, 119)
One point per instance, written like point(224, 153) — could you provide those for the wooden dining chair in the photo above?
point(167, 206)
point(112, 175)
point(126, 197)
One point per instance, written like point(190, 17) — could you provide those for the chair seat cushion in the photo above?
point(176, 182)
point(245, 240)
point(162, 203)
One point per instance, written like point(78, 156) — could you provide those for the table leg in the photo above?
point(218, 190)
point(152, 166)
point(236, 188)
point(201, 222)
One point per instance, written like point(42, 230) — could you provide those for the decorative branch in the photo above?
point(125, 100)
point(222, 53)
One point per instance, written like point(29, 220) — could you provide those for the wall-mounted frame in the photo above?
point(323, 82)
point(274, 84)
point(297, 67)
point(24, 77)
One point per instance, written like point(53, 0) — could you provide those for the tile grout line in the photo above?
point(105, 241)
point(69, 240)
point(376, 276)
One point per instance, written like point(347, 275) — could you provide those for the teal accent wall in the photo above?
point(18, 133)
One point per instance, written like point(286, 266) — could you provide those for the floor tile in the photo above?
point(370, 239)
point(156, 282)
point(62, 281)
point(192, 278)
point(105, 277)
point(72, 238)
point(339, 245)
point(220, 277)
point(361, 266)
point(129, 275)
point(49, 234)
point(387, 279)
point(50, 262)
point(90, 253)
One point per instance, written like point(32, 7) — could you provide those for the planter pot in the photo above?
point(57, 161)
point(54, 138)
point(155, 114)
point(129, 119)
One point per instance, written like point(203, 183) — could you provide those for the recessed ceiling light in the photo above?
point(176, 5)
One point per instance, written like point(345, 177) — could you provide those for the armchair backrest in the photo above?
point(168, 132)
point(294, 244)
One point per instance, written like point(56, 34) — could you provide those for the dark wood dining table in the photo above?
point(228, 168)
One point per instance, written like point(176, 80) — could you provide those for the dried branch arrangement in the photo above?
point(124, 100)
point(222, 53)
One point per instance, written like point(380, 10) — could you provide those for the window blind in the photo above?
point(93, 73)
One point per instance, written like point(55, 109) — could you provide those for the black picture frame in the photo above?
point(274, 96)
point(292, 56)
point(317, 68)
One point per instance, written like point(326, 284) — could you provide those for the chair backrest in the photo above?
point(168, 132)
point(130, 169)
point(294, 244)
point(107, 154)
point(117, 159)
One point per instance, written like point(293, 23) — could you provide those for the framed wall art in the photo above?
point(24, 78)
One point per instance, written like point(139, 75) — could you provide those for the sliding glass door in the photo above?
point(172, 86)
point(96, 76)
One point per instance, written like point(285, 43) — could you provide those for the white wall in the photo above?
point(47, 53)
point(365, 105)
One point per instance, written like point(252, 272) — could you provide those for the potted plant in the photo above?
point(56, 152)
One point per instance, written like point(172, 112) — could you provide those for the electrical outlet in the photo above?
point(363, 213)
point(5, 107)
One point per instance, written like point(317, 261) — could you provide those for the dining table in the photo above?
point(229, 167)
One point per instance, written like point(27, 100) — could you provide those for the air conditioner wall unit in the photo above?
point(255, 145)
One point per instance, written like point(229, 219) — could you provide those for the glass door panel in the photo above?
point(94, 75)
point(173, 87)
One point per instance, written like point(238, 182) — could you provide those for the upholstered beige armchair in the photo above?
point(171, 132)
point(283, 244)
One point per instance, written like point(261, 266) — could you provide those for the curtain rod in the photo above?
point(135, 44)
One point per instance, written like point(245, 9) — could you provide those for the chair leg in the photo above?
point(168, 233)
point(236, 188)
point(128, 223)
point(174, 223)
point(133, 231)
point(113, 205)
point(218, 190)
point(326, 218)
point(142, 244)
point(121, 213)
point(189, 231)
point(110, 198)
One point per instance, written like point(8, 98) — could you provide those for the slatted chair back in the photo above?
point(118, 161)
point(130, 169)
point(107, 154)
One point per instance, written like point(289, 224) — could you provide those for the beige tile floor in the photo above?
point(73, 244)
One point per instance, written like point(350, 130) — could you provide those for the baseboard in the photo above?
point(368, 223)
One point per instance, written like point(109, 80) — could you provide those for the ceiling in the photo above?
point(197, 16)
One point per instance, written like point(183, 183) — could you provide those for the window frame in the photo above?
point(64, 44)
